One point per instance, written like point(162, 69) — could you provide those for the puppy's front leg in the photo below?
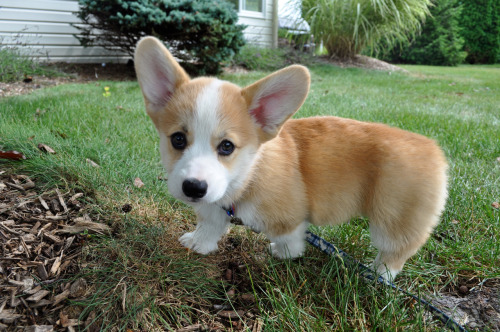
point(290, 245)
point(212, 224)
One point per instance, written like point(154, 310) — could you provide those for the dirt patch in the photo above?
point(477, 309)
point(42, 235)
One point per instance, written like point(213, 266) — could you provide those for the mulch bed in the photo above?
point(42, 235)
point(73, 73)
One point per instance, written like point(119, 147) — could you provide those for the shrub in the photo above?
point(346, 26)
point(480, 21)
point(203, 33)
point(266, 59)
point(439, 44)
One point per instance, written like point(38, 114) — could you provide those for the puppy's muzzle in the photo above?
point(194, 188)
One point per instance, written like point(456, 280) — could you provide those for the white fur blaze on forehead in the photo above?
point(158, 73)
point(275, 98)
point(207, 111)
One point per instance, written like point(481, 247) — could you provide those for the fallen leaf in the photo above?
point(46, 148)
point(92, 163)
point(138, 183)
point(496, 205)
point(12, 155)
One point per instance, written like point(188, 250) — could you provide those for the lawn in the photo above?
point(140, 276)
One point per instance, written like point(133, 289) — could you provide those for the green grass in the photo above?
point(162, 285)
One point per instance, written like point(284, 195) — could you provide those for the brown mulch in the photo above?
point(70, 73)
point(42, 234)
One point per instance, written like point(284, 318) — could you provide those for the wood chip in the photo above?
point(53, 238)
point(82, 225)
point(55, 267)
point(15, 186)
point(38, 295)
point(191, 328)
point(60, 297)
point(61, 200)
point(230, 314)
point(9, 315)
point(258, 325)
point(42, 272)
point(44, 203)
point(39, 328)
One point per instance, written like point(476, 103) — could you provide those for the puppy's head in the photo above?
point(211, 130)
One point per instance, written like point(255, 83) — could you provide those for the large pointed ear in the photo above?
point(275, 98)
point(158, 73)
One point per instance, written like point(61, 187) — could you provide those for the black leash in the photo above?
point(369, 274)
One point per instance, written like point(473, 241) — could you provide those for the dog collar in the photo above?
point(231, 213)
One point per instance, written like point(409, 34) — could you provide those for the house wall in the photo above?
point(42, 29)
point(259, 29)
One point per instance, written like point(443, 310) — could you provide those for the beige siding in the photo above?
point(43, 29)
point(259, 28)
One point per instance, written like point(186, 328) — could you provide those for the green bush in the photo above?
point(267, 59)
point(439, 44)
point(480, 21)
point(346, 27)
point(202, 33)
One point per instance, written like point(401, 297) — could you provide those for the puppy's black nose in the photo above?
point(194, 188)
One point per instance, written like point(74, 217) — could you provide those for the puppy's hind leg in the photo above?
point(290, 245)
point(398, 241)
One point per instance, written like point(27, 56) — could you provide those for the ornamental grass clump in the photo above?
point(346, 27)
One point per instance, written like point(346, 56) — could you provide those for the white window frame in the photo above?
point(251, 13)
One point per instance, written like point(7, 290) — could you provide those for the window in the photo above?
point(249, 5)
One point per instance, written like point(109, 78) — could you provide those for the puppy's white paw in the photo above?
point(283, 251)
point(190, 241)
point(385, 272)
point(187, 240)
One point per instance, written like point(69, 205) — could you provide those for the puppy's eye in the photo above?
point(178, 141)
point(225, 148)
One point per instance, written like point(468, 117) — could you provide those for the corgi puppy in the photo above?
point(233, 152)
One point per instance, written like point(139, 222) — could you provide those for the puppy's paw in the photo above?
point(187, 240)
point(283, 251)
point(190, 241)
point(384, 272)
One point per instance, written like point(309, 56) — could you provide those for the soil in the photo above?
point(43, 233)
